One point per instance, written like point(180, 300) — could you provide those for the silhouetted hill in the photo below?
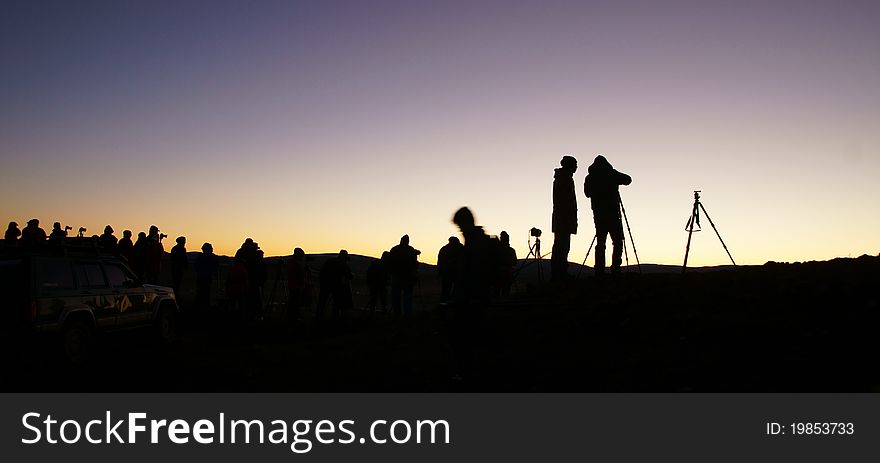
point(359, 265)
point(791, 327)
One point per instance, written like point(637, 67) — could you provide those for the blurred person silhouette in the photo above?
point(448, 260)
point(564, 217)
point(506, 265)
point(33, 235)
point(12, 233)
point(473, 292)
point(206, 268)
point(58, 234)
point(107, 240)
point(178, 264)
point(403, 263)
point(377, 280)
point(602, 187)
point(335, 278)
point(154, 251)
point(139, 255)
point(299, 278)
point(125, 247)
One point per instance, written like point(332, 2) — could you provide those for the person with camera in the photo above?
point(601, 186)
point(153, 252)
point(564, 217)
point(58, 234)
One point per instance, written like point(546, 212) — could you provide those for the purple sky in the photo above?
point(327, 124)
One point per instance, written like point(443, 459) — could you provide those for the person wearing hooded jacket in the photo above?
point(564, 217)
point(601, 186)
point(12, 233)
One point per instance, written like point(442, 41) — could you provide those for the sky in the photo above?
point(346, 124)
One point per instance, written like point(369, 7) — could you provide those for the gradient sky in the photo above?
point(345, 124)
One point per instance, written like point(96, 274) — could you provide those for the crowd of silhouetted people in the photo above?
point(471, 270)
point(458, 269)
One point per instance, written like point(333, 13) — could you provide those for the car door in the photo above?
point(54, 289)
point(129, 300)
point(96, 293)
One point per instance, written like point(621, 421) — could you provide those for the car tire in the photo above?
point(166, 324)
point(76, 341)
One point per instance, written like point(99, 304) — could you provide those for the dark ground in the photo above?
point(778, 327)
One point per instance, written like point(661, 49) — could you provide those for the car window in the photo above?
point(115, 275)
point(54, 274)
point(89, 275)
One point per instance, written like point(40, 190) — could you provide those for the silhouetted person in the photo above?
point(237, 286)
point(153, 258)
point(139, 255)
point(12, 233)
point(404, 266)
point(601, 186)
point(448, 260)
point(125, 247)
point(108, 240)
point(206, 267)
point(33, 235)
point(58, 234)
point(258, 273)
point(252, 258)
point(178, 264)
point(506, 265)
point(248, 250)
point(335, 278)
point(473, 290)
point(299, 284)
point(564, 217)
point(377, 280)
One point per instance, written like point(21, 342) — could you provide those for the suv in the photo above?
point(75, 290)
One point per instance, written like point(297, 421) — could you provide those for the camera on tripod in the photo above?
point(67, 228)
point(82, 232)
point(536, 232)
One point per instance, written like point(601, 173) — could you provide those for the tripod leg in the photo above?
point(585, 257)
point(716, 232)
point(525, 262)
point(633, 243)
point(687, 249)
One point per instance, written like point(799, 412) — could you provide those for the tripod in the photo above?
point(533, 257)
point(693, 221)
point(629, 231)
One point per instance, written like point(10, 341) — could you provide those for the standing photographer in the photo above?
point(153, 255)
point(601, 186)
point(564, 217)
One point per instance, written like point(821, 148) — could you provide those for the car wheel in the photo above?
point(76, 341)
point(166, 324)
